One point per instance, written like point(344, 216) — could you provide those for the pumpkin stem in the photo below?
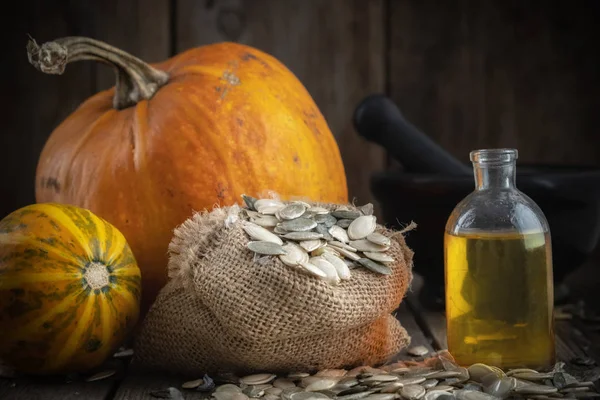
point(136, 80)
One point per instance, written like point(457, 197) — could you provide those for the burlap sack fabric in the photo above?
point(225, 311)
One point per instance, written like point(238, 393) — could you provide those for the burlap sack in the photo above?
point(225, 311)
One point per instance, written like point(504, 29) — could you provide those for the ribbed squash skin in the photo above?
point(69, 289)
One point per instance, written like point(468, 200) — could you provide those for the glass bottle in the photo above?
point(498, 271)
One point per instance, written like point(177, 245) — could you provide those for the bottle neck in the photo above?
point(497, 176)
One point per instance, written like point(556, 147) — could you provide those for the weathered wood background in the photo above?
point(470, 73)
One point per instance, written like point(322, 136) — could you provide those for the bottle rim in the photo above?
point(494, 156)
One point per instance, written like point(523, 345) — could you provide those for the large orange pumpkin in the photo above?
point(69, 289)
point(196, 130)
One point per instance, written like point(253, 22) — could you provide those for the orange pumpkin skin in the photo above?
point(69, 289)
point(230, 120)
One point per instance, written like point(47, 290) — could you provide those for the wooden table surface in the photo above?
point(575, 338)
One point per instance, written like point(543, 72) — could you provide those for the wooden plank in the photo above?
point(417, 336)
point(336, 48)
point(476, 74)
point(61, 388)
point(35, 103)
point(432, 323)
point(141, 28)
point(140, 386)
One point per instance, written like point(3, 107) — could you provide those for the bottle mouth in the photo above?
point(493, 156)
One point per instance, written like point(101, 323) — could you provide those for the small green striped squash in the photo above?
point(69, 289)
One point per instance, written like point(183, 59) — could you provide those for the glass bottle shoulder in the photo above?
point(497, 210)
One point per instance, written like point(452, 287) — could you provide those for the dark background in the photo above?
point(469, 73)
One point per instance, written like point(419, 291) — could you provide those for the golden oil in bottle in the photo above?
point(499, 298)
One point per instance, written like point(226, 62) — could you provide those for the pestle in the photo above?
point(379, 120)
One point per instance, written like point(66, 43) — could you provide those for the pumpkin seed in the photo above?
point(101, 375)
point(429, 383)
point(323, 230)
point(322, 250)
point(267, 221)
point(353, 390)
point(417, 350)
point(412, 392)
point(563, 380)
point(294, 255)
point(339, 233)
point(318, 210)
point(341, 245)
point(266, 248)
point(366, 245)
point(478, 371)
point(207, 385)
point(391, 387)
point(249, 200)
point(357, 396)
point(228, 387)
point(312, 245)
point(308, 396)
point(287, 393)
point(415, 380)
point(304, 235)
point(438, 395)
point(298, 225)
point(123, 353)
point(362, 227)
point(349, 381)
point(346, 214)
point(273, 391)
point(344, 223)
point(473, 395)
point(255, 391)
point(325, 219)
point(374, 266)
point(366, 209)
point(279, 230)
point(348, 254)
point(500, 386)
point(381, 378)
point(381, 396)
point(283, 383)
point(535, 389)
point(327, 268)
point(442, 388)
point(332, 373)
point(292, 211)
point(445, 375)
point(193, 384)
point(511, 372)
point(533, 376)
point(380, 257)
point(257, 379)
point(313, 270)
point(259, 233)
point(340, 266)
point(269, 210)
point(379, 239)
point(321, 384)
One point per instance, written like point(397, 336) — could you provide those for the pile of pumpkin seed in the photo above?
point(397, 381)
point(323, 243)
